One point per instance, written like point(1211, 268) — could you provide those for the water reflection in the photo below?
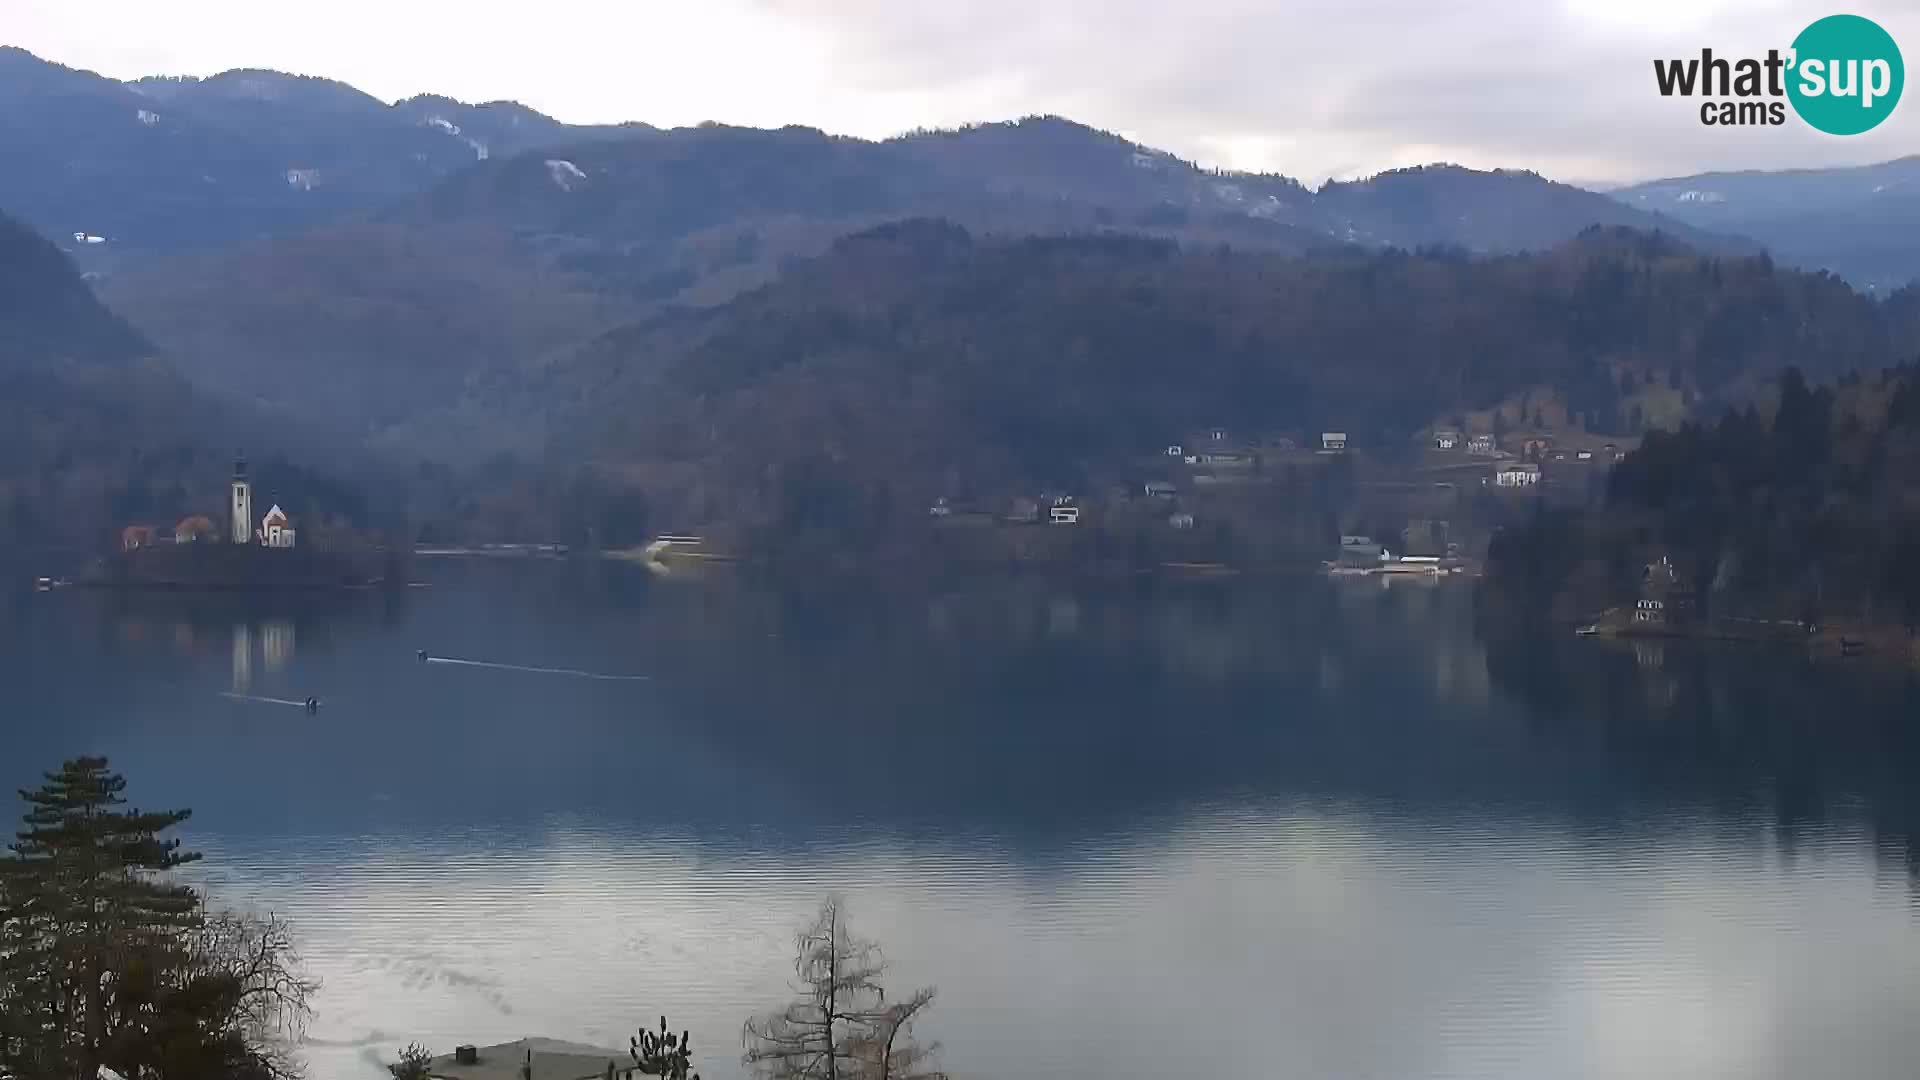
point(276, 643)
point(242, 658)
point(1298, 829)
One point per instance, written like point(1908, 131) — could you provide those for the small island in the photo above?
point(243, 555)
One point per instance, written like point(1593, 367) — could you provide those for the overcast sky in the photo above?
point(1310, 88)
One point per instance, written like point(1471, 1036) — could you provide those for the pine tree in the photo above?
point(79, 902)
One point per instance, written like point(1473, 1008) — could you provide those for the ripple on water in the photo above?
point(1383, 944)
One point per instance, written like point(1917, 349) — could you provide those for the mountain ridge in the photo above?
point(1861, 222)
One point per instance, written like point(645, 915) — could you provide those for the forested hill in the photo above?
point(918, 353)
point(1862, 222)
point(94, 430)
point(48, 316)
point(1804, 506)
point(516, 255)
point(75, 391)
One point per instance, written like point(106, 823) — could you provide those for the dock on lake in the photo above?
point(552, 1060)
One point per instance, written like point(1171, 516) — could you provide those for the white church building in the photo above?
point(275, 529)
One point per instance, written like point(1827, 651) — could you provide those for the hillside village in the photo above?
point(1206, 496)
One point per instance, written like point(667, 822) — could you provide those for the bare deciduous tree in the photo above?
point(891, 1053)
point(841, 1025)
point(268, 1002)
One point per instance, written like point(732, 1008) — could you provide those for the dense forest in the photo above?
point(1806, 507)
point(922, 359)
point(77, 391)
point(914, 361)
point(365, 322)
point(97, 431)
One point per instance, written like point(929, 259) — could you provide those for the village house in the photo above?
point(194, 529)
point(1480, 444)
point(1517, 474)
point(1361, 551)
point(1333, 441)
point(1446, 440)
point(1530, 445)
point(1158, 489)
point(136, 536)
point(276, 530)
point(1664, 598)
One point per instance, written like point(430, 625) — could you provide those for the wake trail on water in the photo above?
point(261, 700)
point(537, 670)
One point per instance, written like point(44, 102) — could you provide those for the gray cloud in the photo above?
point(1311, 88)
point(1324, 87)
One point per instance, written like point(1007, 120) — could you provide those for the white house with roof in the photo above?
point(276, 529)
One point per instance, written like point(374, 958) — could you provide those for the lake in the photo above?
point(1292, 828)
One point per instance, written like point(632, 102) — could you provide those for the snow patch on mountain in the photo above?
point(1269, 208)
point(147, 116)
point(566, 175)
point(303, 179)
point(479, 148)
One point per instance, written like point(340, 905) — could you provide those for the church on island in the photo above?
point(233, 549)
point(274, 530)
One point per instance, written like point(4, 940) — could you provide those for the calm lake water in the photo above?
point(1292, 829)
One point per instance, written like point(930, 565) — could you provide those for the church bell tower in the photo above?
point(241, 528)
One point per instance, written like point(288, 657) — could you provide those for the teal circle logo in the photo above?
point(1846, 75)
